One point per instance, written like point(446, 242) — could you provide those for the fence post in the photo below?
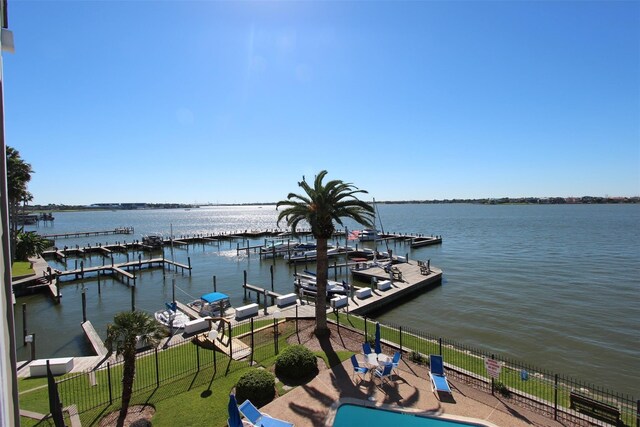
point(365, 328)
point(401, 338)
point(296, 319)
point(252, 343)
point(158, 368)
point(198, 357)
point(440, 346)
point(109, 379)
point(638, 413)
point(492, 380)
point(555, 397)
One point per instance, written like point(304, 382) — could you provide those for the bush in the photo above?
point(418, 358)
point(257, 385)
point(502, 389)
point(296, 362)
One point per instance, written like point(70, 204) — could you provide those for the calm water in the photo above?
point(556, 286)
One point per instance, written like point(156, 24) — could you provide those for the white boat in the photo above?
point(282, 247)
point(212, 304)
point(309, 255)
point(368, 235)
point(171, 317)
point(307, 282)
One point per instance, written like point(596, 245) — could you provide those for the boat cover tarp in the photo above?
point(214, 296)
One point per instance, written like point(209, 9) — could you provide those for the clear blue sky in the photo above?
point(215, 101)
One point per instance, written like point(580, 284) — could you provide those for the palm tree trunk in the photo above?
point(321, 294)
point(128, 375)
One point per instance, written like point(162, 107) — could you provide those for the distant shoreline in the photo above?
point(585, 200)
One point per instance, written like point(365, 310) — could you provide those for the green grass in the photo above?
point(21, 268)
point(185, 396)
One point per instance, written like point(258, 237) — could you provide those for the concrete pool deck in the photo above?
point(311, 404)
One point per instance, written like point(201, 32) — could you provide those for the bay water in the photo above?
point(556, 286)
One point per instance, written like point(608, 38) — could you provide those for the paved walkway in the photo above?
point(311, 404)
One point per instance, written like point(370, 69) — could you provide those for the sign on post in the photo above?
point(493, 367)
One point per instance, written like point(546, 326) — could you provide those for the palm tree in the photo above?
point(127, 328)
point(320, 206)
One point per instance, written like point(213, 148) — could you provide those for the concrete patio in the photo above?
point(314, 403)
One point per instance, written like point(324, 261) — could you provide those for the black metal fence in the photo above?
point(249, 342)
point(558, 396)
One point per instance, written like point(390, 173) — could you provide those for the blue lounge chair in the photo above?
point(258, 419)
point(396, 361)
point(383, 372)
point(357, 369)
point(439, 383)
point(366, 348)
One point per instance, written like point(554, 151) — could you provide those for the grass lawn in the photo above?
point(186, 396)
point(21, 268)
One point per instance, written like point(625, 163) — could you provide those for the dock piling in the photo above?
point(214, 283)
point(271, 271)
point(84, 305)
point(133, 298)
point(244, 286)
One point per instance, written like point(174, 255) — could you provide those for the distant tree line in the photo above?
point(484, 201)
point(527, 200)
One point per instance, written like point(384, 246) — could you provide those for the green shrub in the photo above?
point(258, 386)
point(502, 389)
point(296, 362)
point(418, 358)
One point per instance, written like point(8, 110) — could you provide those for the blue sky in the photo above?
point(231, 102)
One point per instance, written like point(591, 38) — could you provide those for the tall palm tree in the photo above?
point(122, 335)
point(320, 206)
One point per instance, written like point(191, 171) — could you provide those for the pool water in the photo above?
point(353, 415)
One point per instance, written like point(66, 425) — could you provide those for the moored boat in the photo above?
point(306, 282)
point(211, 304)
point(171, 317)
point(368, 235)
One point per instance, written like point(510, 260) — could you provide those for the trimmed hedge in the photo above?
point(296, 362)
point(257, 385)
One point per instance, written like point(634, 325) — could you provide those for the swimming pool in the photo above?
point(351, 415)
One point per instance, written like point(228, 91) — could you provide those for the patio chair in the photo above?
point(366, 348)
point(439, 383)
point(383, 372)
point(396, 361)
point(258, 419)
point(357, 369)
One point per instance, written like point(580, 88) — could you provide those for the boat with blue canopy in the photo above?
point(211, 304)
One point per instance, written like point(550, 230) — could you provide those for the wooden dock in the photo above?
point(94, 339)
point(120, 269)
point(119, 230)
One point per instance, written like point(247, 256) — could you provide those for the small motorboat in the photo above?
point(212, 304)
point(171, 317)
point(306, 282)
point(368, 235)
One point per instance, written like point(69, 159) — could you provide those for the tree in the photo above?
point(28, 244)
point(127, 328)
point(18, 176)
point(320, 207)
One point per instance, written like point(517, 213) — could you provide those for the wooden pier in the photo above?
point(94, 339)
point(121, 269)
point(119, 230)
